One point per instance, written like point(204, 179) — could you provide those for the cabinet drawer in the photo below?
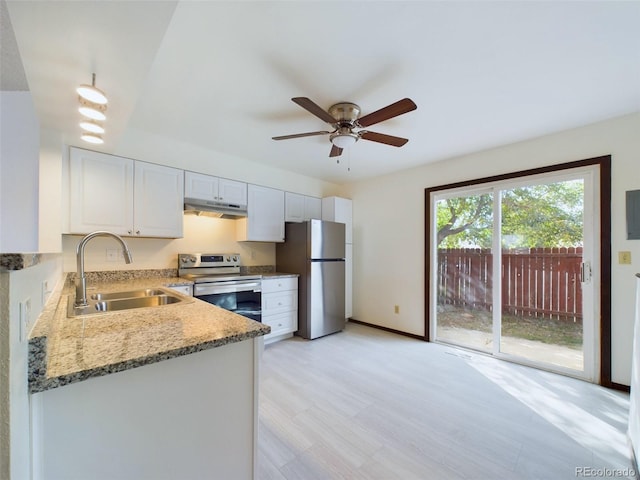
point(281, 323)
point(279, 302)
point(270, 285)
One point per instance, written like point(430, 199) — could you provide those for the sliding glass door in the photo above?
point(513, 270)
point(464, 269)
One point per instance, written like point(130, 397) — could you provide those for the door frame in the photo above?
point(603, 377)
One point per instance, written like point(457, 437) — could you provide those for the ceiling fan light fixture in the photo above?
point(91, 126)
point(92, 138)
point(92, 93)
point(344, 139)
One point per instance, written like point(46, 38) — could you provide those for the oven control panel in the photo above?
point(195, 260)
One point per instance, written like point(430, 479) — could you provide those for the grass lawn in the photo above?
point(555, 332)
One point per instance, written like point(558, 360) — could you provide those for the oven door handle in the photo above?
point(230, 287)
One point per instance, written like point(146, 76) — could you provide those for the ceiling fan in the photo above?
point(345, 119)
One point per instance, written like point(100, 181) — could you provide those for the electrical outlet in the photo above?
point(25, 317)
point(396, 309)
point(624, 258)
point(112, 254)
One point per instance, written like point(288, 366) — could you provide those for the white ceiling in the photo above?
point(220, 75)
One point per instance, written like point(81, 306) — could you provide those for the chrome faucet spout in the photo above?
point(81, 280)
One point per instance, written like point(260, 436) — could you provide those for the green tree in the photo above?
point(547, 215)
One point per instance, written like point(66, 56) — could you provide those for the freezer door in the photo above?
point(325, 309)
point(326, 239)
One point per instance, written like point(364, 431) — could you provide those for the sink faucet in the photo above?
point(81, 280)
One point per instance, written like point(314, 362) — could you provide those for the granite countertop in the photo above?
point(66, 350)
point(279, 275)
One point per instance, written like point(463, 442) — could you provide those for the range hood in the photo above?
point(195, 206)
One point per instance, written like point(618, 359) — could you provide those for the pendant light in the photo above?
point(93, 104)
point(91, 126)
point(92, 138)
point(92, 110)
point(92, 93)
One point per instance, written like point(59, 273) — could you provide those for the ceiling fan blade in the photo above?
point(382, 138)
point(401, 106)
point(335, 151)
point(298, 135)
point(312, 107)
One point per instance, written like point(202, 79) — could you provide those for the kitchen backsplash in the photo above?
point(201, 235)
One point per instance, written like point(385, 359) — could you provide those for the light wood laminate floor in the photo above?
point(367, 404)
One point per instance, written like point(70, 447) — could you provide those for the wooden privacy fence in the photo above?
point(536, 282)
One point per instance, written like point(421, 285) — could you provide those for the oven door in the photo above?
point(243, 297)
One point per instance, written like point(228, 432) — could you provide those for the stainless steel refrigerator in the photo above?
point(315, 250)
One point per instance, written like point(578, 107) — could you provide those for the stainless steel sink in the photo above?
point(147, 292)
point(139, 302)
point(128, 300)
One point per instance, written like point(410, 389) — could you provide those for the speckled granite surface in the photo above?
point(19, 261)
point(256, 269)
point(66, 350)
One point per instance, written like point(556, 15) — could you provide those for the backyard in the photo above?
point(566, 333)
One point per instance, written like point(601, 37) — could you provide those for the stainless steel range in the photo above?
point(217, 280)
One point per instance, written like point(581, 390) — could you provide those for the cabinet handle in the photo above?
point(137, 232)
point(129, 232)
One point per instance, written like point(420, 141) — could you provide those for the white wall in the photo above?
point(388, 215)
point(18, 173)
point(17, 287)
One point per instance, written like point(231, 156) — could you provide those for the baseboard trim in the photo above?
point(390, 330)
point(619, 386)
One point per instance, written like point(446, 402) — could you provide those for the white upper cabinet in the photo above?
point(123, 196)
point(299, 208)
point(265, 216)
point(100, 192)
point(158, 201)
point(312, 208)
point(294, 207)
point(214, 189)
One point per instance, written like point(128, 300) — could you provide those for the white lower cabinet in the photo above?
point(280, 307)
point(192, 417)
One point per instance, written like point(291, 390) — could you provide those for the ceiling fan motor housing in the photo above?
point(345, 112)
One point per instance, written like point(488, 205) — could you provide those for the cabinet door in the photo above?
point(100, 192)
point(279, 302)
point(265, 216)
point(282, 323)
point(198, 185)
point(159, 201)
point(294, 207)
point(312, 208)
point(230, 191)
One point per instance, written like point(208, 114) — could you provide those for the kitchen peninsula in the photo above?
point(158, 392)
